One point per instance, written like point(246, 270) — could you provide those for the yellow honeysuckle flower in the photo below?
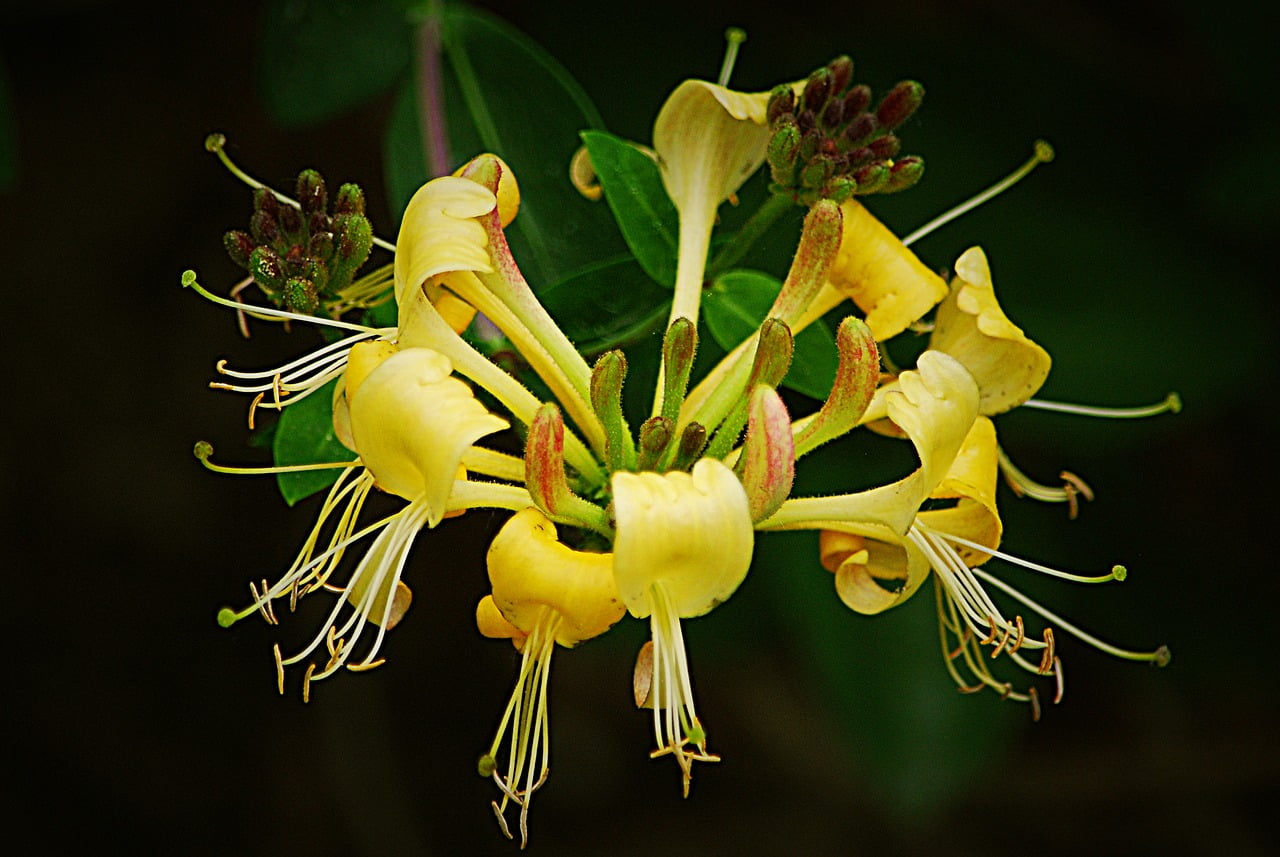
point(935, 405)
point(412, 425)
point(543, 593)
point(709, 140)
point(683, 545)
point(881, 275)
point(971, 327)
point(879, 568)
point(412, 422)
point(440, 235)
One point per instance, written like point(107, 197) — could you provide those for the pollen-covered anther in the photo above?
point(1060, 679)
point(1048, 657)
point(1033, 696)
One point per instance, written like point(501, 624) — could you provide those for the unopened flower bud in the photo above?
point(350, 200)
point(767, 466)
point(300, 295)
point(263, 227)
point(871, 178)
point(655, 437)
point(290, 221)
point(904, 174)
point(841, 69)
point(861, 129)
point(817, 90)
point(782, 102)
point(902, 101)
point(885, 148)
point(266, 268)
point(607, 377)
point(311, 192)
point(855, 101)
point(239, 245)
point(783, 146)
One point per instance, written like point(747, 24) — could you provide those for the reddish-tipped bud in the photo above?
point(267, 269)
point(767, 465)
point(350, 200)
point(817, 90)
point(782, 102)
point(841, 69)
point(312, 194)
point(902, 101)
point(239, 246)
point(904, 174)
point(857, 374)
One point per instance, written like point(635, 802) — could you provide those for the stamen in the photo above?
point(1022, 633)
point(734, 37)
point(203, 450)
point(216, 143)
point(1061, 679)
point(1024, 486)
point(1172, 404)
point(1004, 641)
point(306, 683)
point(1160, 656)
point(1048, 657)
point(1035, 704)
point(1118, 572)
point(1043, 154)
point(279, 669)
point(263, 313)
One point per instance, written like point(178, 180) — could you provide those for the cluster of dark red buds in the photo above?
point(827, 144)
point(301, 256)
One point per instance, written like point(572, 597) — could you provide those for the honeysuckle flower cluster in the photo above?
point(657, 521)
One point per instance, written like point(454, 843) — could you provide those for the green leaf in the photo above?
point(305, 435)
point(734, 307)
point(607, 305)
point(633, 188)
point(319, 58)
point(504, 94)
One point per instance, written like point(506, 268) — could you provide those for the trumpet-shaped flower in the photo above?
point(411, 424)
point(971, 327)
point(683, 545)
point(709, 140)
point(544, 593)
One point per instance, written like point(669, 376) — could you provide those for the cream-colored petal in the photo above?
point(709, 140)
point(440, 233)
point(529, 569)
point(411, 423)
point(691, 532)
point(881, 275)
point(972, 482)
point(935, 405)
point(971, 327)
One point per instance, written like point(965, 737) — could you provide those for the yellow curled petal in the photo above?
point(492, 624)
point(691, 532)
point(440, 233)
point(508, 189)
point(875, 571)
point(936, 405)
point(530, 569)
point(709, 140)
point(972, 482)
point(411, 423)
point(362, 359)
point(972, 328)
point(881, 275)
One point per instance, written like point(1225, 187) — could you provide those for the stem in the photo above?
point(429, 89)
point(756, 226)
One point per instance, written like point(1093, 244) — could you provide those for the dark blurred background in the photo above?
point(134, 722)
